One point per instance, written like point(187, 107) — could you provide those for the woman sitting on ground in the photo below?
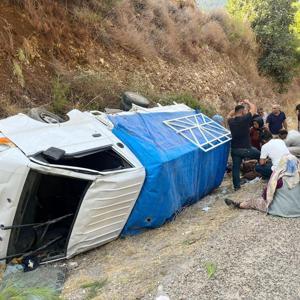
point(281, 197)
point(256, 132)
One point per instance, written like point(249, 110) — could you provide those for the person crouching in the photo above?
point(271, 153)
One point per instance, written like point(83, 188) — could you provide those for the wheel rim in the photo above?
point(48, 119)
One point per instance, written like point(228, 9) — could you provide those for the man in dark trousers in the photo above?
point(276, 120)
point(239, 122)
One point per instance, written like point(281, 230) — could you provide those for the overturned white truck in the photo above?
point(69, 187)
point(64, 187)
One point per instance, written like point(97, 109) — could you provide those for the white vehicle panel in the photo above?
point(81, 132)
point(108, 201)
point(105, 209)
point(13, 174)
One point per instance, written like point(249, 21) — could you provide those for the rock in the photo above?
point(72, 265)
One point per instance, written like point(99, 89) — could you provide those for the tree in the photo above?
point(242, 9)
point(272, 26)
point(296, 30)
point(272, 22)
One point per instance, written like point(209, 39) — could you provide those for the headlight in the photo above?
point(5, 143)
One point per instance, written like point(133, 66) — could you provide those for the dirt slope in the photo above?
point(43, 44)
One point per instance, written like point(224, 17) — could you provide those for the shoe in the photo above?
point(232, 203)
point(237, 188)
point(243, 181)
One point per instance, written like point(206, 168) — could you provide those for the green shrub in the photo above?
point(18, 72)
point(189, 100)
point(93, 288)
point(60, 92)
point(238, 32)
point(275, 26)
point(211, 269)
point(14, 293)
point(273, 31)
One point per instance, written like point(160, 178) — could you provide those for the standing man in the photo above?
point(276, 120)
point(239, 122)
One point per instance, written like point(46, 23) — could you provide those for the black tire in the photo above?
point(125, 106)
point(130, 98)
point(45, 116)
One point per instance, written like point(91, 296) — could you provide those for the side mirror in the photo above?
point(53, 153)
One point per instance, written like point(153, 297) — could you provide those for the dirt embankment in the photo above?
point(52, 52)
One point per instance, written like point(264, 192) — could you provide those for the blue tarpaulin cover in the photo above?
point(178, 173)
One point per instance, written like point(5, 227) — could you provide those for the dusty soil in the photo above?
point(134, 266)
point(255, 256)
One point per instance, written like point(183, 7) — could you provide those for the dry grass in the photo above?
point(70, 38)
point(168, 29)
point(6, 37)
point(93, 90)
point(215, 36)
point(157, 28)
point(148, 28)
point(53, 22)
point(47, 17)
point(8, 108)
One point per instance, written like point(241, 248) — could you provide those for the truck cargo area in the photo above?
point(45, 215)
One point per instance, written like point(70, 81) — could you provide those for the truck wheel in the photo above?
point(45, 116)
point(125, 106)
point(130, 98)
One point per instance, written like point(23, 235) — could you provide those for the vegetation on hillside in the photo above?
point(276, 25)
point(59, 56)
point(168, 29)
point(160, 28)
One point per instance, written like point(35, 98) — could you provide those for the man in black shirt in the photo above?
point(239, 122)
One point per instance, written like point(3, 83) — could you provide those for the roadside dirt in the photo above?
point(134, 267)
point(254, 256)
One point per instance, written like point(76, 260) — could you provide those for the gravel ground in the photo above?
point(256, 257)
point(133, 267)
